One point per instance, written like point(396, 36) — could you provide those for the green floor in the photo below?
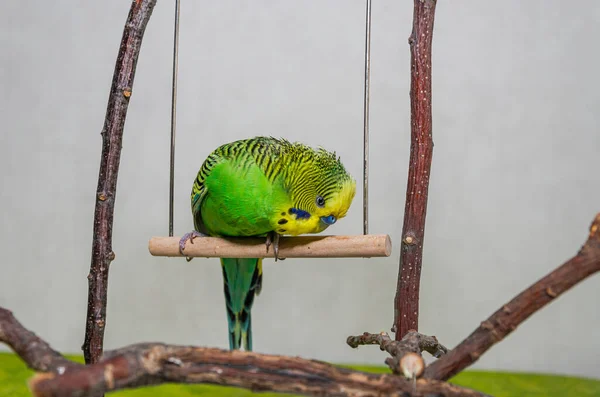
point(14, 375)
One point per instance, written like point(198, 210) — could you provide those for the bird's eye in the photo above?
point(320, 201)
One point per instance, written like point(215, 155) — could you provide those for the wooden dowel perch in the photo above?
point(361, 246)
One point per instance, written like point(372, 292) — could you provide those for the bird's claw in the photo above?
point(189, 236)
point(273, 239)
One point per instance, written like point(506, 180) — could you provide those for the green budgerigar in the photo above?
point(264, 187)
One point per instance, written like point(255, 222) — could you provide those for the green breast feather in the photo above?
point(248, 187)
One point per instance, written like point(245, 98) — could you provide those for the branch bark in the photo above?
point(112, 134)
point(406, 303)
point(152, 364)
point(155, 363)
point(507, 318)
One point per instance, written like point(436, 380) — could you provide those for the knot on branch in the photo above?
point(406, 353)
point(595, 227)
point(409, 239)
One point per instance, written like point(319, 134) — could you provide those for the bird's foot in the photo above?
point(189, 236)
point(273, 239)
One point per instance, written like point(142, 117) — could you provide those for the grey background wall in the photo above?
point(514, 181)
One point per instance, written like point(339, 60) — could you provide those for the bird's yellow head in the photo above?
point(335, 206)
point(321, 190)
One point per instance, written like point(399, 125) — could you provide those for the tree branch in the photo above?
point(151, 364)
point(406, 354)
point(406, 303)
point(155, 363)
point(507, 318)
point(112, 134)
point(37, 354)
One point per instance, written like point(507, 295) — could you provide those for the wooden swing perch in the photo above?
point(314, 246)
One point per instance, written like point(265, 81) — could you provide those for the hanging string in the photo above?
point(173, 116)
point(367, 95)
point(366, 120)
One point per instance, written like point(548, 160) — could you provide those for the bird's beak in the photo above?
point(328, 220)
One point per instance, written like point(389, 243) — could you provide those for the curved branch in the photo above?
point(112, 135)
point(152, 364)
point(507, 318)
point(37, 354)
point(155, 363)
